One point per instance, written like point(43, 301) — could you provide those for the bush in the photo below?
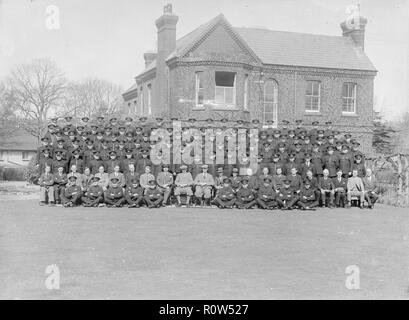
point(13, 174)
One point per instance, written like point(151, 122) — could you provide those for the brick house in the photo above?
point(219, 71)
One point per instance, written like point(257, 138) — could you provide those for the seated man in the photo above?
point(225, 197)
point(307, 199)
point(183, 183)
point(326, 187)
point(371, 188)
point(204, 183)
point(134, 193)
point(93, 196)
point(60, 180)
point(245, 198)
point(46, 182)
point(117, 174)
point(266, 195)
point(340, 188)
point(296, 180)
point(114, 195)
point(146, 177)
point(165, 182)
point(153, 195)
point(355, 187)
point(287, 198)
point(71, 195)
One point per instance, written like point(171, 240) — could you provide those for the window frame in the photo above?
point(27, 158)
point(274, 102)
point(355, 89)
point(246, 92)
point(233, 88)
point(198, 77)
point(149, 87)
point(312, 96)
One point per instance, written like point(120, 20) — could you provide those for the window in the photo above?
point(246, 92)
point(129, 108)
point(25, 156)
point(1, 155)
point(199, 89)
point(349, 98)
point(225, 90)
point(313, 96)
point(135, 106)
point(149, 99)
point(270, 105)
point(142, 102)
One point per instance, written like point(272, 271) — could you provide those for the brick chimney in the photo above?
point(166, 25)
point(149, 57)
point(354, 27)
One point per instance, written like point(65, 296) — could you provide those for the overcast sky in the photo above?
point(107, 38)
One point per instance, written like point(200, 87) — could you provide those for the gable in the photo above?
point(220, 43)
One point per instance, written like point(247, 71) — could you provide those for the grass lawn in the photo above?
point(179, 253)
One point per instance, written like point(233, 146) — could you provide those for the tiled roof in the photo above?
point(20, 140)
point(287, 48)
point(132, 88)
point(302, 49)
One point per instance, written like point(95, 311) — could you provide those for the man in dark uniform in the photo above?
point(340, 188)
point(77, 161)
point(225, 197)
point(307, 198)
point(59, 162)
point(331, 162)
point(60, 180)
point(326, 186)
point(345, 162)
point(245, 198)
point(153, 195)
point(266, 195)
point(112, 162)
point(93, 197)
point(71, 195)
point(114, 195)
point(287, 198)
point(95, 162)
point(134, 193)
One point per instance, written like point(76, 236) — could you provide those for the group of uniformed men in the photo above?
point(108, 163)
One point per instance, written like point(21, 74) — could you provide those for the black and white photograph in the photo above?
point(217, 150)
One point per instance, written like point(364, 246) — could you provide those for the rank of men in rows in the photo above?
point(120, 153)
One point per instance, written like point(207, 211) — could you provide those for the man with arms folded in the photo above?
point(93, 196)
point(183, 183)
point(204, 183)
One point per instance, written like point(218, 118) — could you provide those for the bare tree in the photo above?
point(91, 97)
point(8, 121)
point(36, 90)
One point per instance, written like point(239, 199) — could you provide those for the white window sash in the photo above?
point(308, 108)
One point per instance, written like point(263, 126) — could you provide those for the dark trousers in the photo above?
point(309, 204)
point(370, 198)
point(75, 199)
point(224, 203)
point(266, 203)
point(287, 202)
point(134, 201)
point(115, 201)
point(325, 195)
point(340, 196)
point(153, 202)
point(57, 193)
point(92, 201)
point(245, 204)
